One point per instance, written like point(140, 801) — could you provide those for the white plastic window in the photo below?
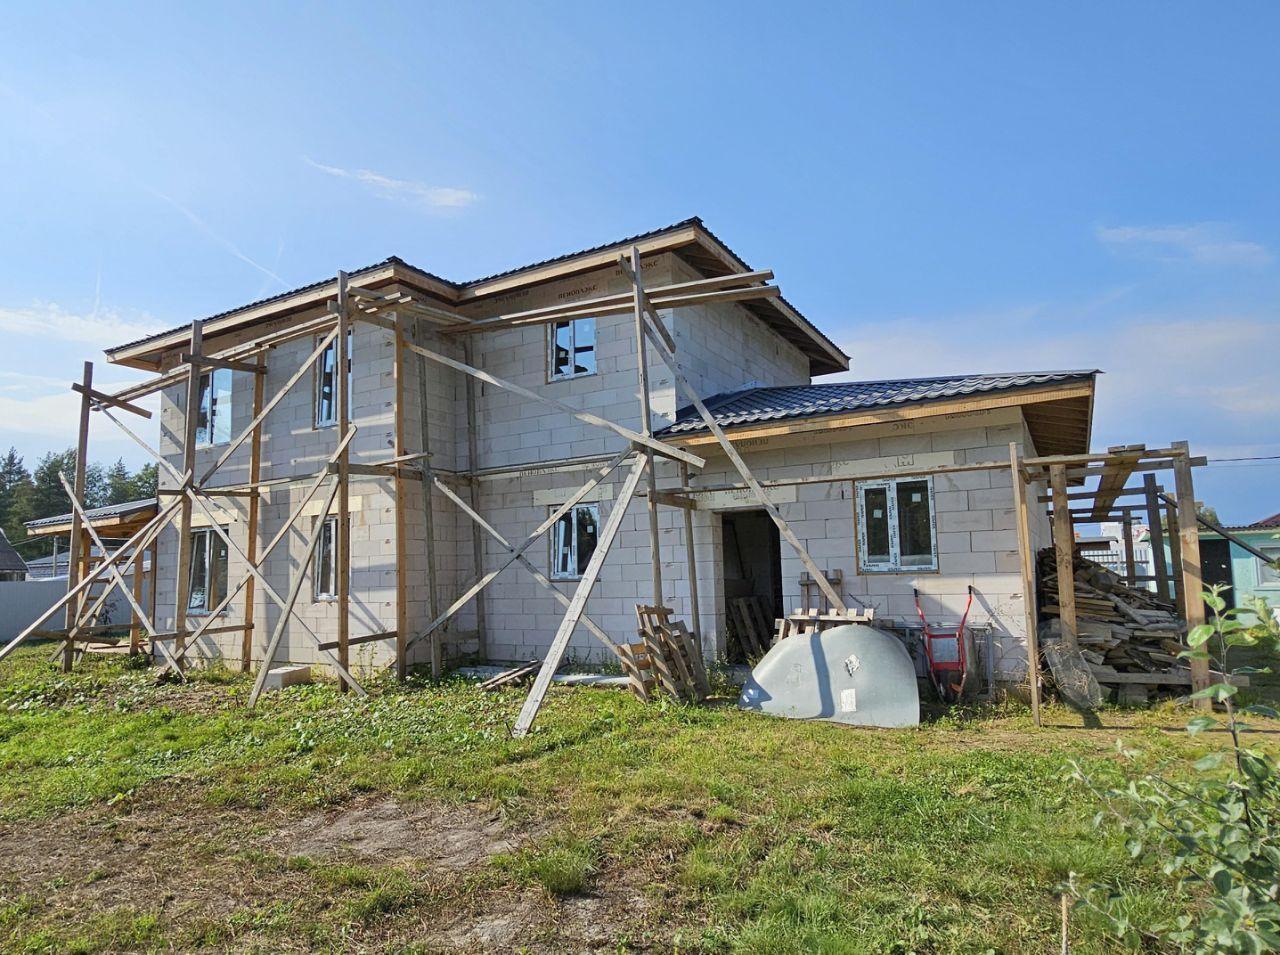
point(327, 385)
point(1268, 575)
point(573, 541)
point(207, 584)
point(213, 412)
point(324, 571)
point(572, 349)
point(897, 527)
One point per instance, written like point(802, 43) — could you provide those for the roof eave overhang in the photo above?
point(840, 421)
point(147, 355)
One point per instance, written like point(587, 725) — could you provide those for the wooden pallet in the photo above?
point(666, 658)
point(753, 628)
point(803, 622)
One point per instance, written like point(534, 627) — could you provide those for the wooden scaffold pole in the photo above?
point(342, 548)
point(76, 556)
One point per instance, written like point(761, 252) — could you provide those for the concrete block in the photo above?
point(280, 677)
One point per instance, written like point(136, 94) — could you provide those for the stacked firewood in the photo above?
point(1120, 629)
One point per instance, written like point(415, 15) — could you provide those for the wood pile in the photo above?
point(751, 626)
point(1120, 629)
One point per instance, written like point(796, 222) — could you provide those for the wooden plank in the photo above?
point(251, 523)
point(74, 570)
point(1156, 537)
point(1130, 563)
point(342, 541)
point(364, 638)
point(1192, 581)
point(101, 397)
point(230, 364)
point(615, 304)
point(578, 604)
point(473, 465)
point(660, 447)
point(1064, 550)
point(1027, 564)
point(399, 487)
point(740, 465)
point(691, 561)
point(646, 423)
point(428, 503)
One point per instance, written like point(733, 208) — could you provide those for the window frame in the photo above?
point(318, 424)
point(212, 415)
point(573, 324)
point(1265, 569)
point(331, 560)
point(210, 536)
point(894, 564)
point(574, 556)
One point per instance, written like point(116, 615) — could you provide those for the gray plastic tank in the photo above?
point(849, 674)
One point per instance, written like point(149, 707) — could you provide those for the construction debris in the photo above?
point(513, 676)
point(1121, 629)
point(752, 626)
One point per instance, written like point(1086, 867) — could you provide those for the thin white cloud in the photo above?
point(407, 190)
point(221, 240)
point(1205, 243)
point(102, 329)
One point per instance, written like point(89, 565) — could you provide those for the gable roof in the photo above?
point(1271, 523)
point(688, 238)
point(761, 405)
point(10, 559)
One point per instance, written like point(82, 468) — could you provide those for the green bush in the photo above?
point(1215, 830)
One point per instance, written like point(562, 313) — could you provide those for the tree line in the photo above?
point(29, 495)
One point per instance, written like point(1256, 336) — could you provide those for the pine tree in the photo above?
point(12, 475)
point(119, 483)
point(48, 499)
point(144, 483)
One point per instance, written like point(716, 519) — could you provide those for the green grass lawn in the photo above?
point(144, 817)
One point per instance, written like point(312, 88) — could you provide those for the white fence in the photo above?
point(23, 601)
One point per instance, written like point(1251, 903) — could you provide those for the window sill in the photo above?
point(206, 613)
point(558, 378)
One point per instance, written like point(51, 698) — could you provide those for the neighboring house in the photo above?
point(901, 517)
point(12, 566)
point(1247, 575)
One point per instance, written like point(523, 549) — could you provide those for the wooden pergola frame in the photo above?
point(1114, 468)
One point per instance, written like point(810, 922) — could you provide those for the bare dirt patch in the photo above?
point(447, 837)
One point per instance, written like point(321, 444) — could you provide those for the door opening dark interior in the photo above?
point(751, 560)
point(1215, 567)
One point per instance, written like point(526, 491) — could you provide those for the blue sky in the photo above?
point(942, 188)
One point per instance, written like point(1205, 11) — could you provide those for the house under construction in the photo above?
point(389, 468)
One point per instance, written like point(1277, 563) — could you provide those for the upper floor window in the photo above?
point(572, 349)
point(573, 541)
point(897, 529)
point(213, 413)
point(327, 385)
point(207, 583)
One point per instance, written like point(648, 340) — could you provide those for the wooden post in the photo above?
point(76, 556)
point(473, 497)
point(1064, 550)
point(342, 542)
point(1027, 561)
point(1176, 583)
point(646, 428)
point(154, 575)
point(429, 516)
point(190, 419)
point(1159, 568)
point(255, 475)
point(1130, 565)
point(579, 602)
point(135, 628)
point(695, 618)
point(399, 487)
point(1189, 538)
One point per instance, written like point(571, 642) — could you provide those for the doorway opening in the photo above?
point(1215, 568)
point(751, 565)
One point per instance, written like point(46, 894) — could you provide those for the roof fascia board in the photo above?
point(603, 258)
point(840, 422)
point(139, 356)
